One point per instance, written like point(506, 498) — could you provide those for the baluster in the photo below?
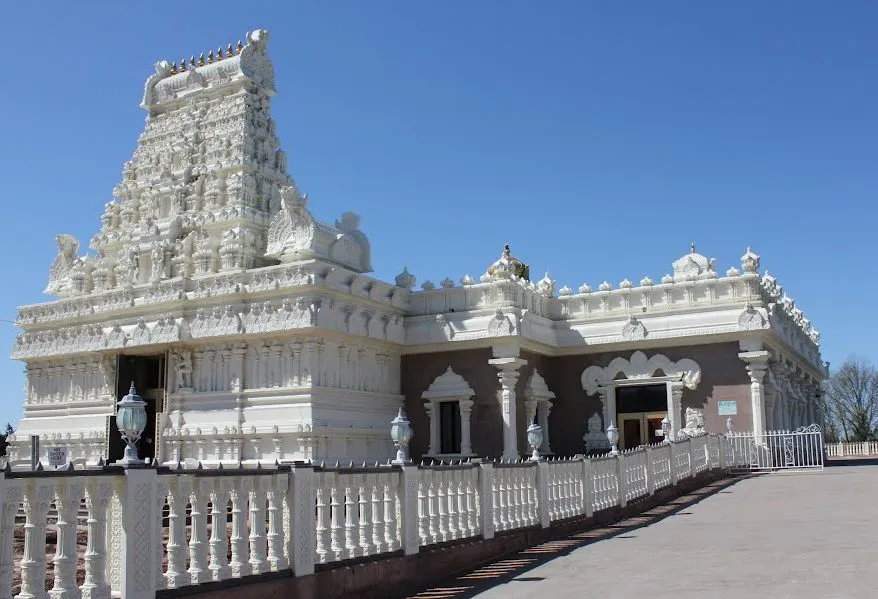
point(392, 531)
point(460, 522)
point(351, 521)
point(8, 509)
point(472, 485)
point(367, 546)
point(198, 541)
point(37, 497)
point(423, 510)
point(433, 497)
point(240, 494)
point(336, 518)
point(500, 522)
point(177, 499)
point(67, 498)
point(258, 563)
point(377, 490)
point(518, 497)
point(322, 529)
point(161, 494)
point(275, 537)
point(442, 503)
point(219, 542)
point(98, 492)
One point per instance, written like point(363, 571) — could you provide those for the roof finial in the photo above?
point(210, 57)
point(692, 247)
point(506, 250)
point(201, 60)
point(229, 51)
point(239, 47)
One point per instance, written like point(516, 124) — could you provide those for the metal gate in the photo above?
point(778, 450)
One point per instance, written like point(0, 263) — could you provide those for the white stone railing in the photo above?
point(852, 449)
point(234, 523)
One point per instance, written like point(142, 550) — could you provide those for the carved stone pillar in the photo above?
point(757, 364)
point(675, 407)
point(466, 409)
point(543, 410)
point(508, 376)
point(770, 397)
point(433, 416)
point(239, 350)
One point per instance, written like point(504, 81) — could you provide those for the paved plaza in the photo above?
point(777, 535)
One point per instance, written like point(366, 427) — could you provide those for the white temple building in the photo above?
point(255, 333)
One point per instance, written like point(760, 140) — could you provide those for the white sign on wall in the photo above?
point(57, 456)
point(727, 408)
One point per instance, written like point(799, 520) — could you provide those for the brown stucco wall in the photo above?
point(723, 377)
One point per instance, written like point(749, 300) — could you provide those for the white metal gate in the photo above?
point(778, 450)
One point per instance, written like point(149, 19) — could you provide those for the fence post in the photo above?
point(139, 486)
point(486, 499)
point(300, 500)
point(672, 463)
point(543, 493)
point(620, 480)
point(691, 460)
point(408, 495)
point(588, 486)
point(650, 471)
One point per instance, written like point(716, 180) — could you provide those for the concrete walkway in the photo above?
point(802, 535)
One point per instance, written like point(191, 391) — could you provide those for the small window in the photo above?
point(449, 427)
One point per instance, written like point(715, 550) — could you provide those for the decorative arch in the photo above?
point(638, 369)
point(538, 404)
point(449, 387)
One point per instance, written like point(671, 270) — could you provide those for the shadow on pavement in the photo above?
point(869, 461)
point(512, 567)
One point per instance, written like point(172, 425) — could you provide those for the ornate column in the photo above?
point(675, 406)
point(508, 375)
point(466, 408)
point(433, 416)
point(770, 397)
point(757, 364)
point(543, 410)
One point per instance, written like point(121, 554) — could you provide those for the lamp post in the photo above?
point(666, 430)
point(729, 424)
point(535, 439)
point(131, 420)
point(401, 433)
point(613, 438)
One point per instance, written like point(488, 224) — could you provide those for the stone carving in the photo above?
point(405, 279)
point(694, 424)
point(444, 328)
point(183, 369)
point(292, 229)
point(633, 329)
point(546, 286)
point(500, 325)
point(750, 261)
point(506, 267)
point(63, 264)
point(752, 318)
point(595, 438)
point(694, 266)
point(641, 367)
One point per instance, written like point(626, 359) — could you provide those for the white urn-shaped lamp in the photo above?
point(401, 433)
point(729, 424)
point(131, 420)
point(613, 438)
point(666, 430)
point(535, 440)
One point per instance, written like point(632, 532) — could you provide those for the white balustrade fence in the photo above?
point(150, 529)
point(778, 450)
point(852, 449)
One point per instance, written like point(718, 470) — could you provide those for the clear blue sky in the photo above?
point(598, 139)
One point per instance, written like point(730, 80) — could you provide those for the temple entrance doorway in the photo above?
point(148, 375)
point(639, 411)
